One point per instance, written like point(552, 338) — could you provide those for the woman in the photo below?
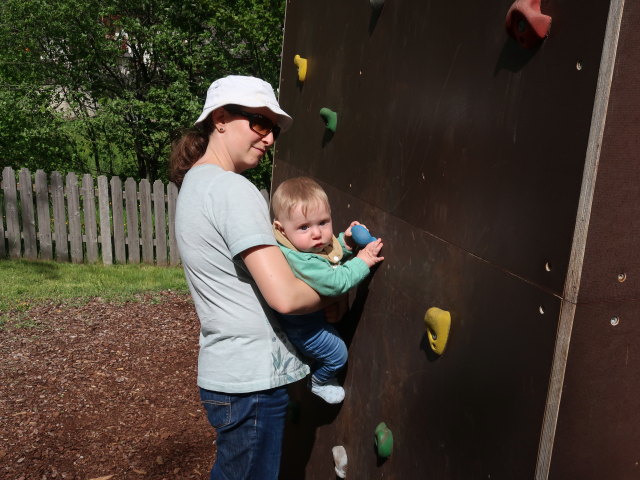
point(237, 275)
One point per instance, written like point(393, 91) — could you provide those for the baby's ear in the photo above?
point(278, 226)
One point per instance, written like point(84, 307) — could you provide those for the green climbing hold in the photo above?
point(384, 440)
point(330, 119)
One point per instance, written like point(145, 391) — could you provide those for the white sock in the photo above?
point(330, 391)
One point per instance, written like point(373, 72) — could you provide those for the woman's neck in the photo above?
point(215, 155)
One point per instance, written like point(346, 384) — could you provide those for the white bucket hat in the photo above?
point(244, 91)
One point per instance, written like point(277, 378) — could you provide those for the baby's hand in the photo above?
point(348, 238)
point(370, 253)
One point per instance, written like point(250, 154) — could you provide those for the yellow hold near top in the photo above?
point(438, 323)
point(301, 63)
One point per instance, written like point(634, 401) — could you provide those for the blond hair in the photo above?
point(302, 192)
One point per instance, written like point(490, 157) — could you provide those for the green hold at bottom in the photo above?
point(384, 440)
point(330, 119)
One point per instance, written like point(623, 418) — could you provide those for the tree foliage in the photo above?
point(105, 85)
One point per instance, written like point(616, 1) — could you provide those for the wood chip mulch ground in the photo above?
point(103, 391)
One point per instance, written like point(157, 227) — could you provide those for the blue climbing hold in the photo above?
point(361, 235)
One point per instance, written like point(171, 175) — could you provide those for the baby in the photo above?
point(302, 226)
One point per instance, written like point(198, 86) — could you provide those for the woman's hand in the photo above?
point(370, 254)
point(280, 288)
point(334, 312)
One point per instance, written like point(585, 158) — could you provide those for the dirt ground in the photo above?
point(103, 391)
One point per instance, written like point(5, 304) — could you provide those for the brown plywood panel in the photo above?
point(597, 435)
point(476, 411)
point(446, 123)
point(613, 245)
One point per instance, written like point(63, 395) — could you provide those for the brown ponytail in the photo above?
point(188, 149)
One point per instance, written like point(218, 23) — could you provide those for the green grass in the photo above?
point(27, 283)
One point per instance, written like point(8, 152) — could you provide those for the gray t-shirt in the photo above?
point(220, 214)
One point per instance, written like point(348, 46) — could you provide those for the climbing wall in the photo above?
point(475, 159)
point(598, 431)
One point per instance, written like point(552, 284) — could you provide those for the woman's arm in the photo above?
point(281, 289)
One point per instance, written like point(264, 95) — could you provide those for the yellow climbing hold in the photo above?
point(438, 324)
point(301, 63)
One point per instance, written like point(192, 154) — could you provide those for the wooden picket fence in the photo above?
point(67, 220)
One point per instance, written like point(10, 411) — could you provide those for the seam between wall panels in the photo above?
point(273, 157)
point(572, 285)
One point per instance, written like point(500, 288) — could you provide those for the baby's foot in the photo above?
point(330, 391)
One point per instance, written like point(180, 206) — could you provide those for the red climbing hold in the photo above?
point(526, 23)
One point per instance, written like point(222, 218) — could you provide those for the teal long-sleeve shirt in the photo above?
point(327, 279)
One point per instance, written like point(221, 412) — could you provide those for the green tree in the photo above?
point(108, 84)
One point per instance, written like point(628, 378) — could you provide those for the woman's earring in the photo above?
point(221, 129)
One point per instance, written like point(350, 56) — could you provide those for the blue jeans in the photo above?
point(250, 428)
point(318, 340)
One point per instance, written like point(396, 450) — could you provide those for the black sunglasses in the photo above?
point(257, 122)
